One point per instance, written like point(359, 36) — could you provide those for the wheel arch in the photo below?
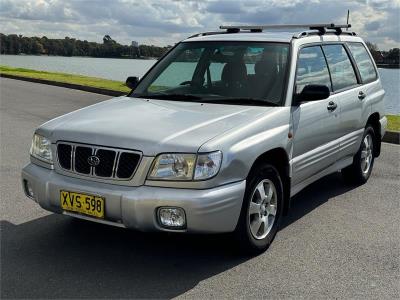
point(277, 157)
point(373, 121)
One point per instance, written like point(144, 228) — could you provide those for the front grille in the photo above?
point(127, 164)
point(65, 155)
point(105, 167)
point(97, 161)
point(81, 159)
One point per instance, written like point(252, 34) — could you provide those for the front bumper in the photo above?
point(207, 211)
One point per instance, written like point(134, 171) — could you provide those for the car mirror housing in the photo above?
point(132, 82)
point(313, 92)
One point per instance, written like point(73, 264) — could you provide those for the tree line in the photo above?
point(382, 58)
point(18, 44)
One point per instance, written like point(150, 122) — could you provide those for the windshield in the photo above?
point(243, 73)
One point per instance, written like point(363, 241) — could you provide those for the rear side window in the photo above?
point(311, 68)
point(342, 71)
point(363, 61)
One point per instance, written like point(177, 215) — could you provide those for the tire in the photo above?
point(258, 211)
point(360, 170)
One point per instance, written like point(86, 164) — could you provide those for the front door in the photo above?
point(315, 123)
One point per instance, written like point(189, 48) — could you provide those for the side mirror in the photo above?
point(313, 92)
point(131, 82)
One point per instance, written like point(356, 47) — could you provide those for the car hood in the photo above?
point(150, 126)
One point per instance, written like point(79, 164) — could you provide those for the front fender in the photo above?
point(241, 147)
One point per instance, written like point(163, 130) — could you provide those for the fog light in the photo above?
point(172, 217)
point(28, 189)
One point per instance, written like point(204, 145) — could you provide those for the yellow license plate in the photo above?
point(82, 203)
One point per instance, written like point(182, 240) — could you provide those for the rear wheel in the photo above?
point(261, 210)
point(360, 170)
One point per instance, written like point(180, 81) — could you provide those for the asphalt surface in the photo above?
point(339, 241)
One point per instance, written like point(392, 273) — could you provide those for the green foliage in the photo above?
point(393, 122)
point(384, 57)
point(68, 78)
point(372, 47)
point(18, 44)
point(394, 54)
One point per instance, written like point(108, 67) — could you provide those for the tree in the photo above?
point(393, 56)
point(376, 54)
point(37, 48)
point(108, 40)
point(394, 53)
point(372, 47)
point(16, 44)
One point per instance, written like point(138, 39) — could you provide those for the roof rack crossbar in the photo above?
point(259, 28)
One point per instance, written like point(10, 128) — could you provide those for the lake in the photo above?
point(120, 69)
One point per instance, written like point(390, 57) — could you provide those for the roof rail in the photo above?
point(309, 32)
point(322, 28)
point(207, 33)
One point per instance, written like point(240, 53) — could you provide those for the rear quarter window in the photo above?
point(363, 61)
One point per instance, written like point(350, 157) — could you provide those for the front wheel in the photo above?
point(261, 210)
point(360, 170)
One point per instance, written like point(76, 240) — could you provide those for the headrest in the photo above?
point(234, 71)
point(266, 66)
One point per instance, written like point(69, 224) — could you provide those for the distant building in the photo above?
point(135, 49)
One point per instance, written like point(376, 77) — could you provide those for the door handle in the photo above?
point(331, 106)
point(361, 95)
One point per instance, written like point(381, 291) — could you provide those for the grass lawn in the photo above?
point(393, 122)
point(67, 78)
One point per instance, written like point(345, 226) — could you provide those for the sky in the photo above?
point(169, 21)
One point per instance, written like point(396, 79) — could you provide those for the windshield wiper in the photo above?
point(230, 100)
point(242, 101)
point(172, 97)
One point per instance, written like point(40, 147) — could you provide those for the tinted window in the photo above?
point(311, 68)
point(340, 66)
point(216, 69)
point(218, 62)
point(363, 61)
point(242, 73)
point(179, 71)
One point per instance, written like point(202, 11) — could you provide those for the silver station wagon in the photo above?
point(218, 135)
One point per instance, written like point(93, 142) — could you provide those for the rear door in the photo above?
point(315, 123)
point(349, 94)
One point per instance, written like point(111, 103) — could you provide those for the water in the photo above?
point(390, 79)
point(109, 68)
point(120, 69)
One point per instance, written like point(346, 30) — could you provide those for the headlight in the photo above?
point(207, 165)
point(176, 166)
point(173, 167)
point(41, 148)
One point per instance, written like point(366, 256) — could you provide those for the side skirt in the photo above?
point(331, 169)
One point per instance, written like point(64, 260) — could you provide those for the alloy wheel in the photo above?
point(366, 154)
point(263, 209)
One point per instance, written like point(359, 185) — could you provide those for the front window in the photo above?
point(243, 73)
point(312, 69)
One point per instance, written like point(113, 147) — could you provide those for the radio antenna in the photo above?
point(348, 15)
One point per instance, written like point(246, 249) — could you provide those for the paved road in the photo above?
point(338, 241)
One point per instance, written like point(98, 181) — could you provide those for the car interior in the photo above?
point(228, 72)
